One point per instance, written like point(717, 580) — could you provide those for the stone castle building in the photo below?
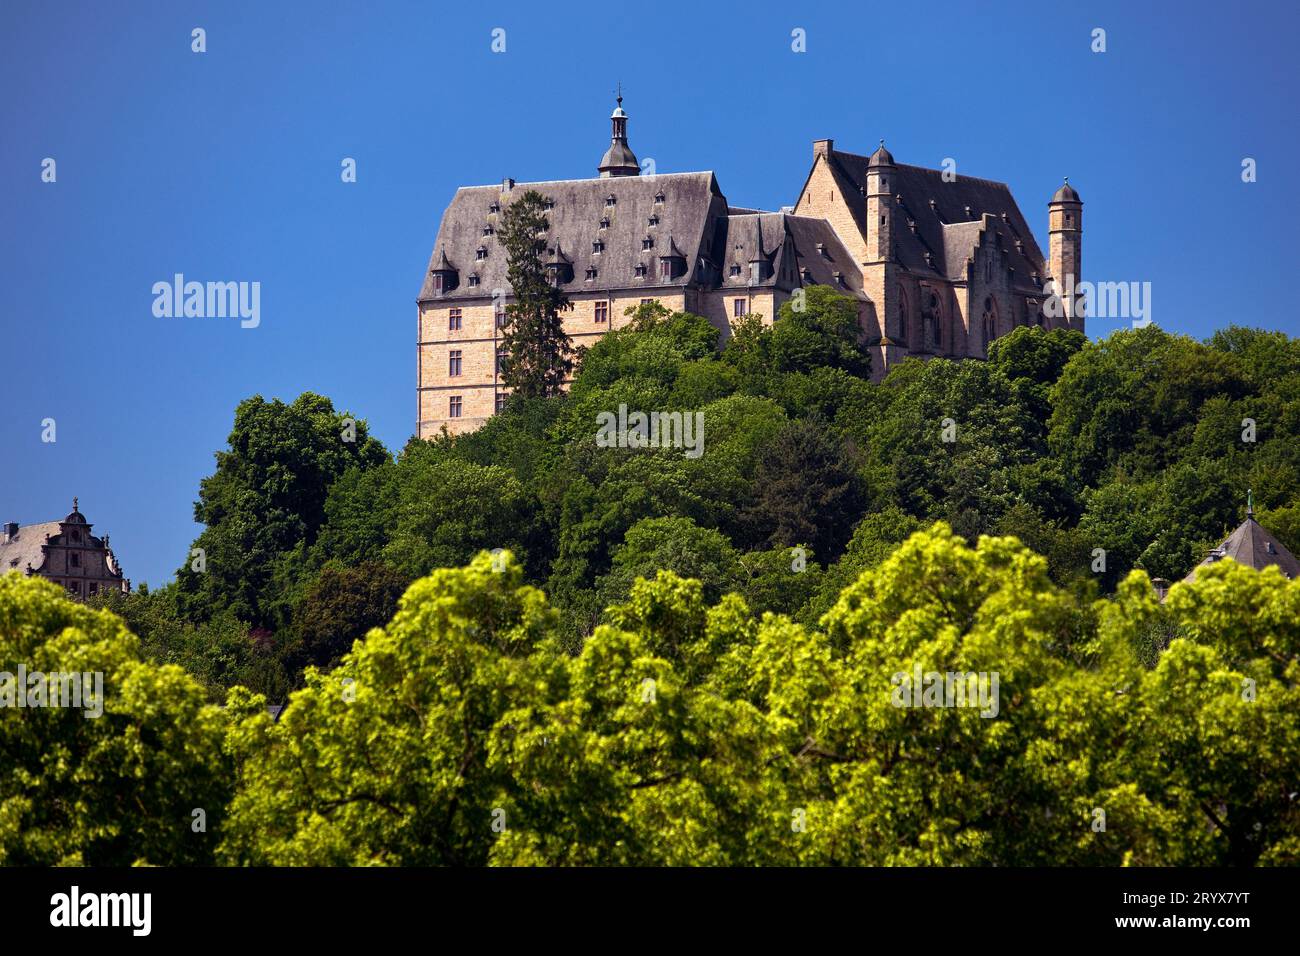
point(65, 552)
point(940, 264)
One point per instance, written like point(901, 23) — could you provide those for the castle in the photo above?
point(65, 552)
point(940, 264)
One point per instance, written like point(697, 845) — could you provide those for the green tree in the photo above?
point(340, 607)
point(116, 782)
point(387, 758)
point(807, 491)
point(539, 353)
point(265, 504)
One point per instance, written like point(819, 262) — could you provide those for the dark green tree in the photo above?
point(539, 353)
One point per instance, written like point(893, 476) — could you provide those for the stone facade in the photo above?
point(65, 552)
point(939, 264)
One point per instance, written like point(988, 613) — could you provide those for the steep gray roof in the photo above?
point(915, 187)
point(1254, 547)
point(692, 204)
point(790, 244)
point(25, 547)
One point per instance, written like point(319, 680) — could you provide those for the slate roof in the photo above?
point(689, 213)
point(945, 229)
point(25, 547)
point(1252, 545)
point(693, 223)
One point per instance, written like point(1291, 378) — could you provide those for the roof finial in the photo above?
point(1250, 503)
point(620, 93)
point(882, 144)
point(74, 502)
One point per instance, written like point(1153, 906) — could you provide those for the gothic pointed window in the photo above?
point(904, 316)
point(990, 321)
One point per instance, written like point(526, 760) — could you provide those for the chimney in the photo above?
point(822, 147)
point(11, 530)
point(507, 184)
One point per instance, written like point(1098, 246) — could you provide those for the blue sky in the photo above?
point(226, 166)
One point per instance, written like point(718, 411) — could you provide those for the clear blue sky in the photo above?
point(225, 166)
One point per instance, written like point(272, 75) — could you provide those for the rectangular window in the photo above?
point(646, 301)
point(94, 588)
point(738, 307)
point(75, 559)
point(453, 407)
point(437, 282)
point(602, 311)
point(501, 360)
point(453, 362)
point(501, 401)
point(665, 269)
point(453, 320)
point(501, 318)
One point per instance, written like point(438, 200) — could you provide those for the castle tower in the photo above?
point(619, 160)
point(880, 205)
point(1065, 251)
point(879, 268)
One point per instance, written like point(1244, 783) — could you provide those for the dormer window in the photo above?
point(735, 269)
point(488, 230)
point(559, 266)
point(494, 208)
point(473, 278)
point(604, 222)
point(591, 273)
point(805, 274)
point(480, 253)
point(443, 275)
point(640, 270)
point(821, 249)
point(548, 204)
point(673, 262)
point(647, 243)
point(653, 221)
point(597, 247)
point(839, 279)
point(659, 198)
point(610, 200)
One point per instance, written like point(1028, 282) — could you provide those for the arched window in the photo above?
point(931, 338)
point(904, 317)
point(990, 321)
point(936, 322)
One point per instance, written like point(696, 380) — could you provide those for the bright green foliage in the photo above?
point(111, 790)
point(385, 760)
point(688, 731)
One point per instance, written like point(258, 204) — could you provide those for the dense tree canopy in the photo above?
point(689, 731)
point(658, 652)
